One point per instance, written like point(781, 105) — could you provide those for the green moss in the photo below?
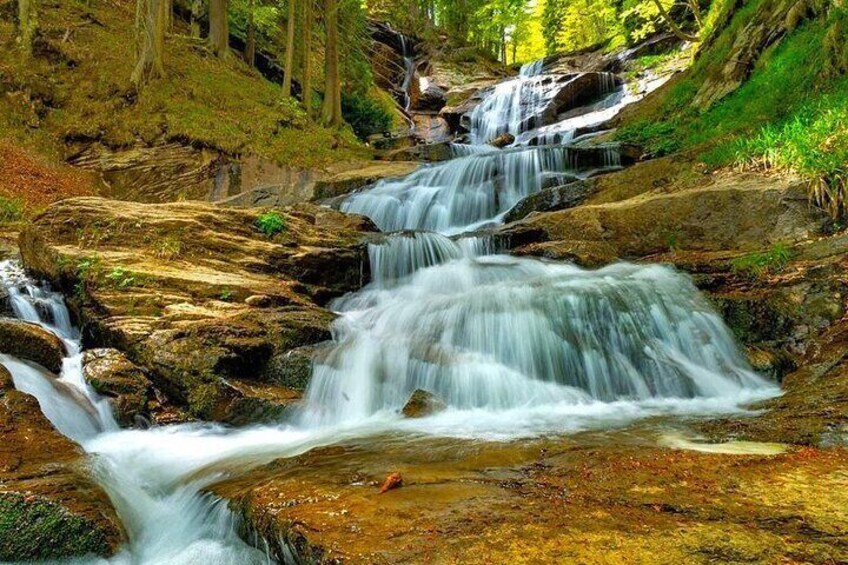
point(33, 528)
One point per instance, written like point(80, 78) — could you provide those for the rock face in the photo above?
point(552, 199)
point(49, 509)
point(706, 217)
point(31, 343)
point(199, 296)
point(112, 375)
point(431, 153)
point(351, 181)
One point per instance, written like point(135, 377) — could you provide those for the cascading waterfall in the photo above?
point(514, 347)
point(494, 333)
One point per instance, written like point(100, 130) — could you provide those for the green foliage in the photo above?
point(120, 278)
point(270, 223)
point(763, 263)
point(11, 210)
point(365, 115)
point(226, 295)
point(656, 137)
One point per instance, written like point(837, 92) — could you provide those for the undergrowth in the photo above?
point(758, 264)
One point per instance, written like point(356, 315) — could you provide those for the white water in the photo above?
point(515, 347)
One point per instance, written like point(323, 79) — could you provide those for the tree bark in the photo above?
point(289, 68)
point(27, 25)
point(219, 28)
point(151, 20)
point(673, 25)
point(196, 14)
point(332, 111)
point(306, 54)
point(250, 42)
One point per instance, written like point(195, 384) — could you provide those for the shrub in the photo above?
point(365, 115)
point(270, 223)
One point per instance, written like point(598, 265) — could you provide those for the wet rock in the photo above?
point(31, 342)
point(434, 152)
point(112, 375)
point(502, 140)
point(50, 508)
point(6, 310)
point(422, 403)
point(351, 181)
point(552, 199)
point(431, 99)
point(293, 369)
point(171, 285)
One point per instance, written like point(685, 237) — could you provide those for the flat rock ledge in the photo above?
point(199, 296)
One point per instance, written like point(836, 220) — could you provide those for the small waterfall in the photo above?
point(409, 71)
point(464, 193)
point(498, 333)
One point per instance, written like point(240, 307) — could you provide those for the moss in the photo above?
point(33, 528)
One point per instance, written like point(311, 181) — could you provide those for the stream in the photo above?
point(514, 347)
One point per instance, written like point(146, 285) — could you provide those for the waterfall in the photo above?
point(513, 347)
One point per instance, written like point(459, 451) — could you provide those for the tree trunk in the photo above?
point(27, 25)
point(673, 25)
point(219, 28)
point(151, 19)
point(196, 15)
point(250, 42)
point(306, 54)
point(289, 69)
point(332, 111)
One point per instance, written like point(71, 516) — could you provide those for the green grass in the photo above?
point(758, 264)
point(270, 223)
point(813, 143)
point(11, 210)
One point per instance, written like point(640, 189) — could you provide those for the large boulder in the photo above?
point(124, 383)
point(31, 342)
point(201, 297)
point(49, 509)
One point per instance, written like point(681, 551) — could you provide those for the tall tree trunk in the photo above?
point(306, 54)
point(27, 25)
point(196, 15)
point(150, 21)
point(169, 15)
point(289, 70)
point(332, 111)
point(250, 42)
point(219, 28)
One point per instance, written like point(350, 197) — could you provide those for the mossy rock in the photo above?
point(33, 528)
point(31, 343)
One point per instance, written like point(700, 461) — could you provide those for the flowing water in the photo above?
point(514, 348)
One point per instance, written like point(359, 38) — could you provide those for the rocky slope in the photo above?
point(198, 295)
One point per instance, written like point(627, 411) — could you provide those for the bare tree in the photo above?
point(250, 41)
point(27, 25)
point(196, 15)
point(332, 111)
point(306, 56)
point(219, 28)
point(289, 67)
point(150, 23)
